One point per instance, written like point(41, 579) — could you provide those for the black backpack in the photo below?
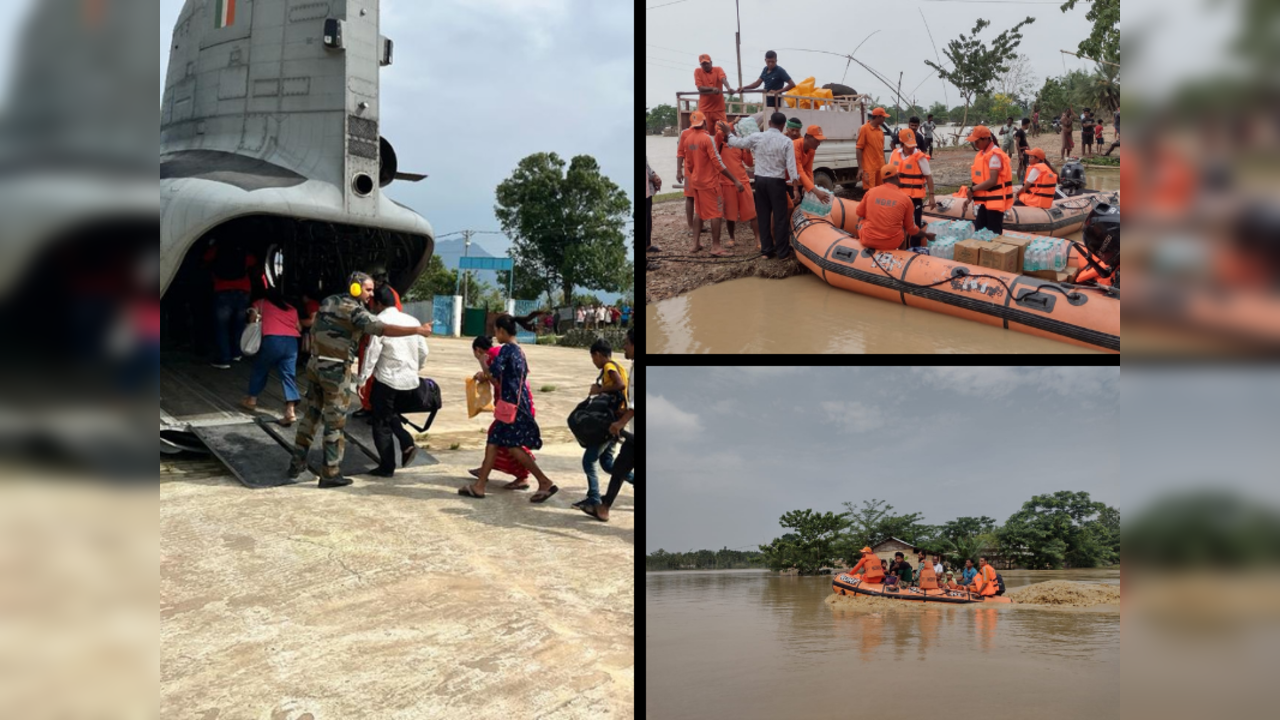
point(590, 421)
point(1000, 583)
point(428, 397)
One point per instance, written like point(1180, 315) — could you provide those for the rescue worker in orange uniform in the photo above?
point(704, 166)
point(711, 82)
point(914, 176)
point(1042, 182)
point(871, 149)
point(887, 215)
point(806, 148)
point(681, 144)
point(739, 207)
point(984, 583)
point(872, 569)
point(992, 188)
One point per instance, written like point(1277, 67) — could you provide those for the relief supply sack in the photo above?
point(590, 421)
point(479, 397)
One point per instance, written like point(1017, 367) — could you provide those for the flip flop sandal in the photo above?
point(545, 495)
point(468, 492)
point(516, 485)
point(591, 510)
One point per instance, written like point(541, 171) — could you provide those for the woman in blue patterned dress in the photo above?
point(510, 369)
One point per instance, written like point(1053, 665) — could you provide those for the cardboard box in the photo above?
point(999, 256)
point(969, 251)
point(1021, 243)
point(1051, 275)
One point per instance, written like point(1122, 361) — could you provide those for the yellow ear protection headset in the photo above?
point(357, 284)
point(356, 289)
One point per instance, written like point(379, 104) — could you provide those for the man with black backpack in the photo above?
point(229, 262)
point(624, 428)
point(613, 382)
point(394, 365)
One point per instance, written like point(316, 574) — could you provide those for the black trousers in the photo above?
point(993, 221)
point(622, 466)
point(648, 203)
point(919, 203)
point(926, 145)
point(771, 209)
point(387, 404)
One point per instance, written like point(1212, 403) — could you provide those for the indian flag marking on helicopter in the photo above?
point(226, 13)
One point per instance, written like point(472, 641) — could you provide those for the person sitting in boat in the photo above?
point(1042, 182)
point(966, 577)
point(951, 583)
point(899, 570)
point(984, 583)
point(872, 569)
point(887, 213)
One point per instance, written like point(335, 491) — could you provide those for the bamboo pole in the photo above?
point(737, 39)
point(1085, 57)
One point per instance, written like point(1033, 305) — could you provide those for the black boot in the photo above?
point(334, 482)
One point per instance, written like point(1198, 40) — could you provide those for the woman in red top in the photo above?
point(280, 332)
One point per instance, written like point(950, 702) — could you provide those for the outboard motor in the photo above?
point(1102, 233)
point(1071, 180)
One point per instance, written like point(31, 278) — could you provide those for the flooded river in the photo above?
point(751, 644)
point(803, 314)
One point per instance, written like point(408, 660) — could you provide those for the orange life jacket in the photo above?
point(909, 174)
point(928, 578)
point(872, 570)
point(984, 583)
point(1040, 193)
point(998, 197)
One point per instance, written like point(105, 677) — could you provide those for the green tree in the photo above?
point(1104, 41)
point(939, 113)
point(975, 66)
point(528, 285)
point(1058, 530)
point(661, 117)
point(809, 547)
point(1004, 107)
point(569, 227)
point(437, 280)
point(874, 522)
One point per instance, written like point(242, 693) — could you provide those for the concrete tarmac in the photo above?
point(397, 598)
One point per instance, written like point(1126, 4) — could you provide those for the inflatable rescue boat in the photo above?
point(1068, 214)
point(852, 585)
point(1087, 316)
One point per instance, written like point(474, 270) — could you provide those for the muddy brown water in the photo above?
point(804, 314)
point(752, 644)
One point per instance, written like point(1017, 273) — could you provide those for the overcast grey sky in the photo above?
point(732, 449)
point(677, 34)
point(479, 84)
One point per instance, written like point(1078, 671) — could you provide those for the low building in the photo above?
point(886, 549)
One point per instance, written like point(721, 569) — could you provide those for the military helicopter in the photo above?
point(270, 139)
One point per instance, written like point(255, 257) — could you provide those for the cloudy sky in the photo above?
point(732, 449)
point(544, 76)
point(677, 34)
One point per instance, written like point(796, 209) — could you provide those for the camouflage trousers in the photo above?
point(326, 393)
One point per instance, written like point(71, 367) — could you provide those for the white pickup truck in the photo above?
point(836, 162)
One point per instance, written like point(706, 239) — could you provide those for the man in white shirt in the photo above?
point(395, 365)
point(625, 463)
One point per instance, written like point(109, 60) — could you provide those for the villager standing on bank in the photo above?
point(652, 186)
point(1067, 142)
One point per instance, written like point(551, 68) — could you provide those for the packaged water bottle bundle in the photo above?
point(812, 205)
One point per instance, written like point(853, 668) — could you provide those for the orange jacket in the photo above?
point(909, 172)
point(736, 159)
point(871, 153)
point(874, 571)
point(710, 103)
point(998, 197)
point(890, 218)
point(1040, 193)
point(702, 164)
point(985, 582)
point(804, 163)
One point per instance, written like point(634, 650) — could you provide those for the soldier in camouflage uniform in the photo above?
point(327, 383)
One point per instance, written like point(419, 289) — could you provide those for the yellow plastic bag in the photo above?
point(804, 88)
point(822, 93)
point(479, 397)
